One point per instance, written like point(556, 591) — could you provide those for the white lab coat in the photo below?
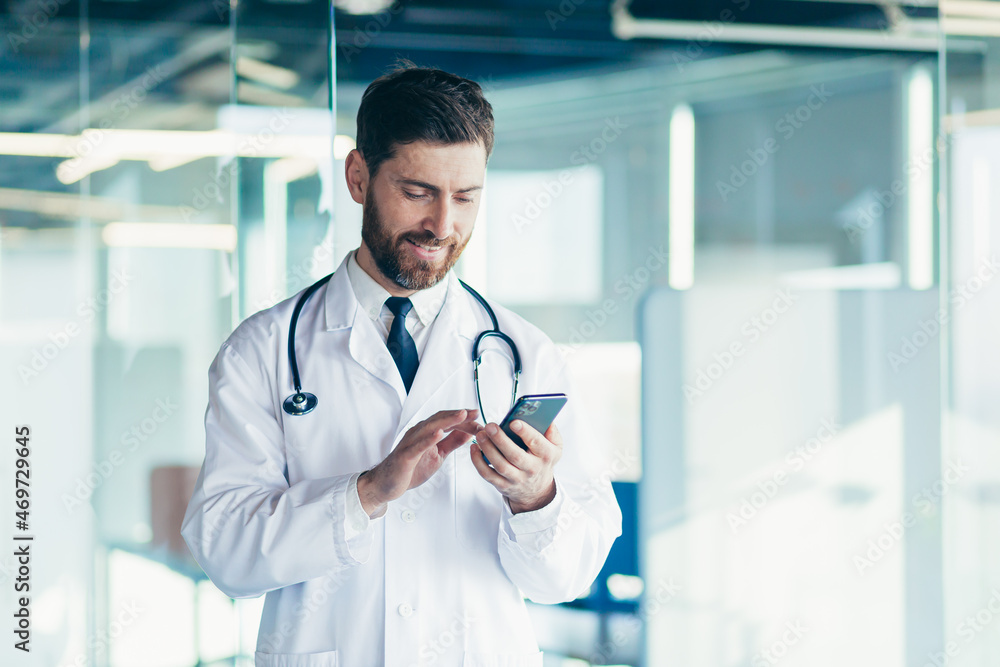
point(439, 579)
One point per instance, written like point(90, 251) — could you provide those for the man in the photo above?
point(373, 523)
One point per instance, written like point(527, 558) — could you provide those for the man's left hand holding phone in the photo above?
point(524, 477)
point(522, 473)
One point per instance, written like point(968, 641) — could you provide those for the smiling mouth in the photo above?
point(424, 249)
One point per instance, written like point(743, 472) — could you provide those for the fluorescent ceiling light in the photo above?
point(73, 207)
point(681, 198)
point(37, 145)
point(971, 8)
point(152, 144)
point(970, 17)
point(74, 170)
point(342, 145)
point(96, 149)
point(970, 27)
point(169, 235)
point(981, 118)
point(166, 162)
point(291, 169)
point(981, 193)
point(920, 187)
point(251, 93)
point(362, 7)
point(880, 275)
point(266, 73)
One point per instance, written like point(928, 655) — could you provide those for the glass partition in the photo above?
point(174, 177)
point(801, 479)
point(970, 139)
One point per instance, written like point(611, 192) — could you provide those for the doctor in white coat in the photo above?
point(372, 523)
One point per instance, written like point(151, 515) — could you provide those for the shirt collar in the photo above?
point(426, 302)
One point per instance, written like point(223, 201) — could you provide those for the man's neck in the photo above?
point(367, 263)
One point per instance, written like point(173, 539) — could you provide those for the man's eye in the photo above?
point(413, 196)
point(463, 200)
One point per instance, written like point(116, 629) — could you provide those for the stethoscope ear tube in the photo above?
point(477, 357)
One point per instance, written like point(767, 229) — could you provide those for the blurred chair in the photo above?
point(170, 490)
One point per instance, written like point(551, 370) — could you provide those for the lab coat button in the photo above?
point(409, 516)
point(404, 610)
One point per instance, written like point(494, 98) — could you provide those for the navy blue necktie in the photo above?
point(400, 343)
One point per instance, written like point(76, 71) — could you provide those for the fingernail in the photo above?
point(516, 426)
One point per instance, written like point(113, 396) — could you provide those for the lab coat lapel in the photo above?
point(365, 344)
point(369, 350)
point(448, 350)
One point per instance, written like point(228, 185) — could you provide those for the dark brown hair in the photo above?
point(414, 103)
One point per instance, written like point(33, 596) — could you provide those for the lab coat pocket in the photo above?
point(324, 659)
point(502, 660)
point(477, 506)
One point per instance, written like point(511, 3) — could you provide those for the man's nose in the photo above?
point(441, 220)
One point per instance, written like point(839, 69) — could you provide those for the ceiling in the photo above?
point(153, 64)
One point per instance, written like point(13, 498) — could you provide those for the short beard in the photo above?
point(394, 261)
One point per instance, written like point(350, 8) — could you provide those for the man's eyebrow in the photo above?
point(433, 188)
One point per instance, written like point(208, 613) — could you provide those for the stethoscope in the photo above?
point(302, 402)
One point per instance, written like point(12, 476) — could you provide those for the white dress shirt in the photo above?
point(426, 304)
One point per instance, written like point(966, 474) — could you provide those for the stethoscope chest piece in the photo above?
point(300, 403)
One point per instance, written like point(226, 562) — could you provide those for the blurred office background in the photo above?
point(764, 231)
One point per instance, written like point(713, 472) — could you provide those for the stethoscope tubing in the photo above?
point(302, 402)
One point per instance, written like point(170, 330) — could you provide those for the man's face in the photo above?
point(420, 209)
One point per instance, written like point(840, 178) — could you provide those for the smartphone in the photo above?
point(536, 410)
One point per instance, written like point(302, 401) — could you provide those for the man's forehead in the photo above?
point(459, 166)
point(432, 183)
point(422, 151)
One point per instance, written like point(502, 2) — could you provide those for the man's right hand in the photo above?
point(417, 456)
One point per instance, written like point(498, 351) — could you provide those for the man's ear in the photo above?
point(356, 173)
